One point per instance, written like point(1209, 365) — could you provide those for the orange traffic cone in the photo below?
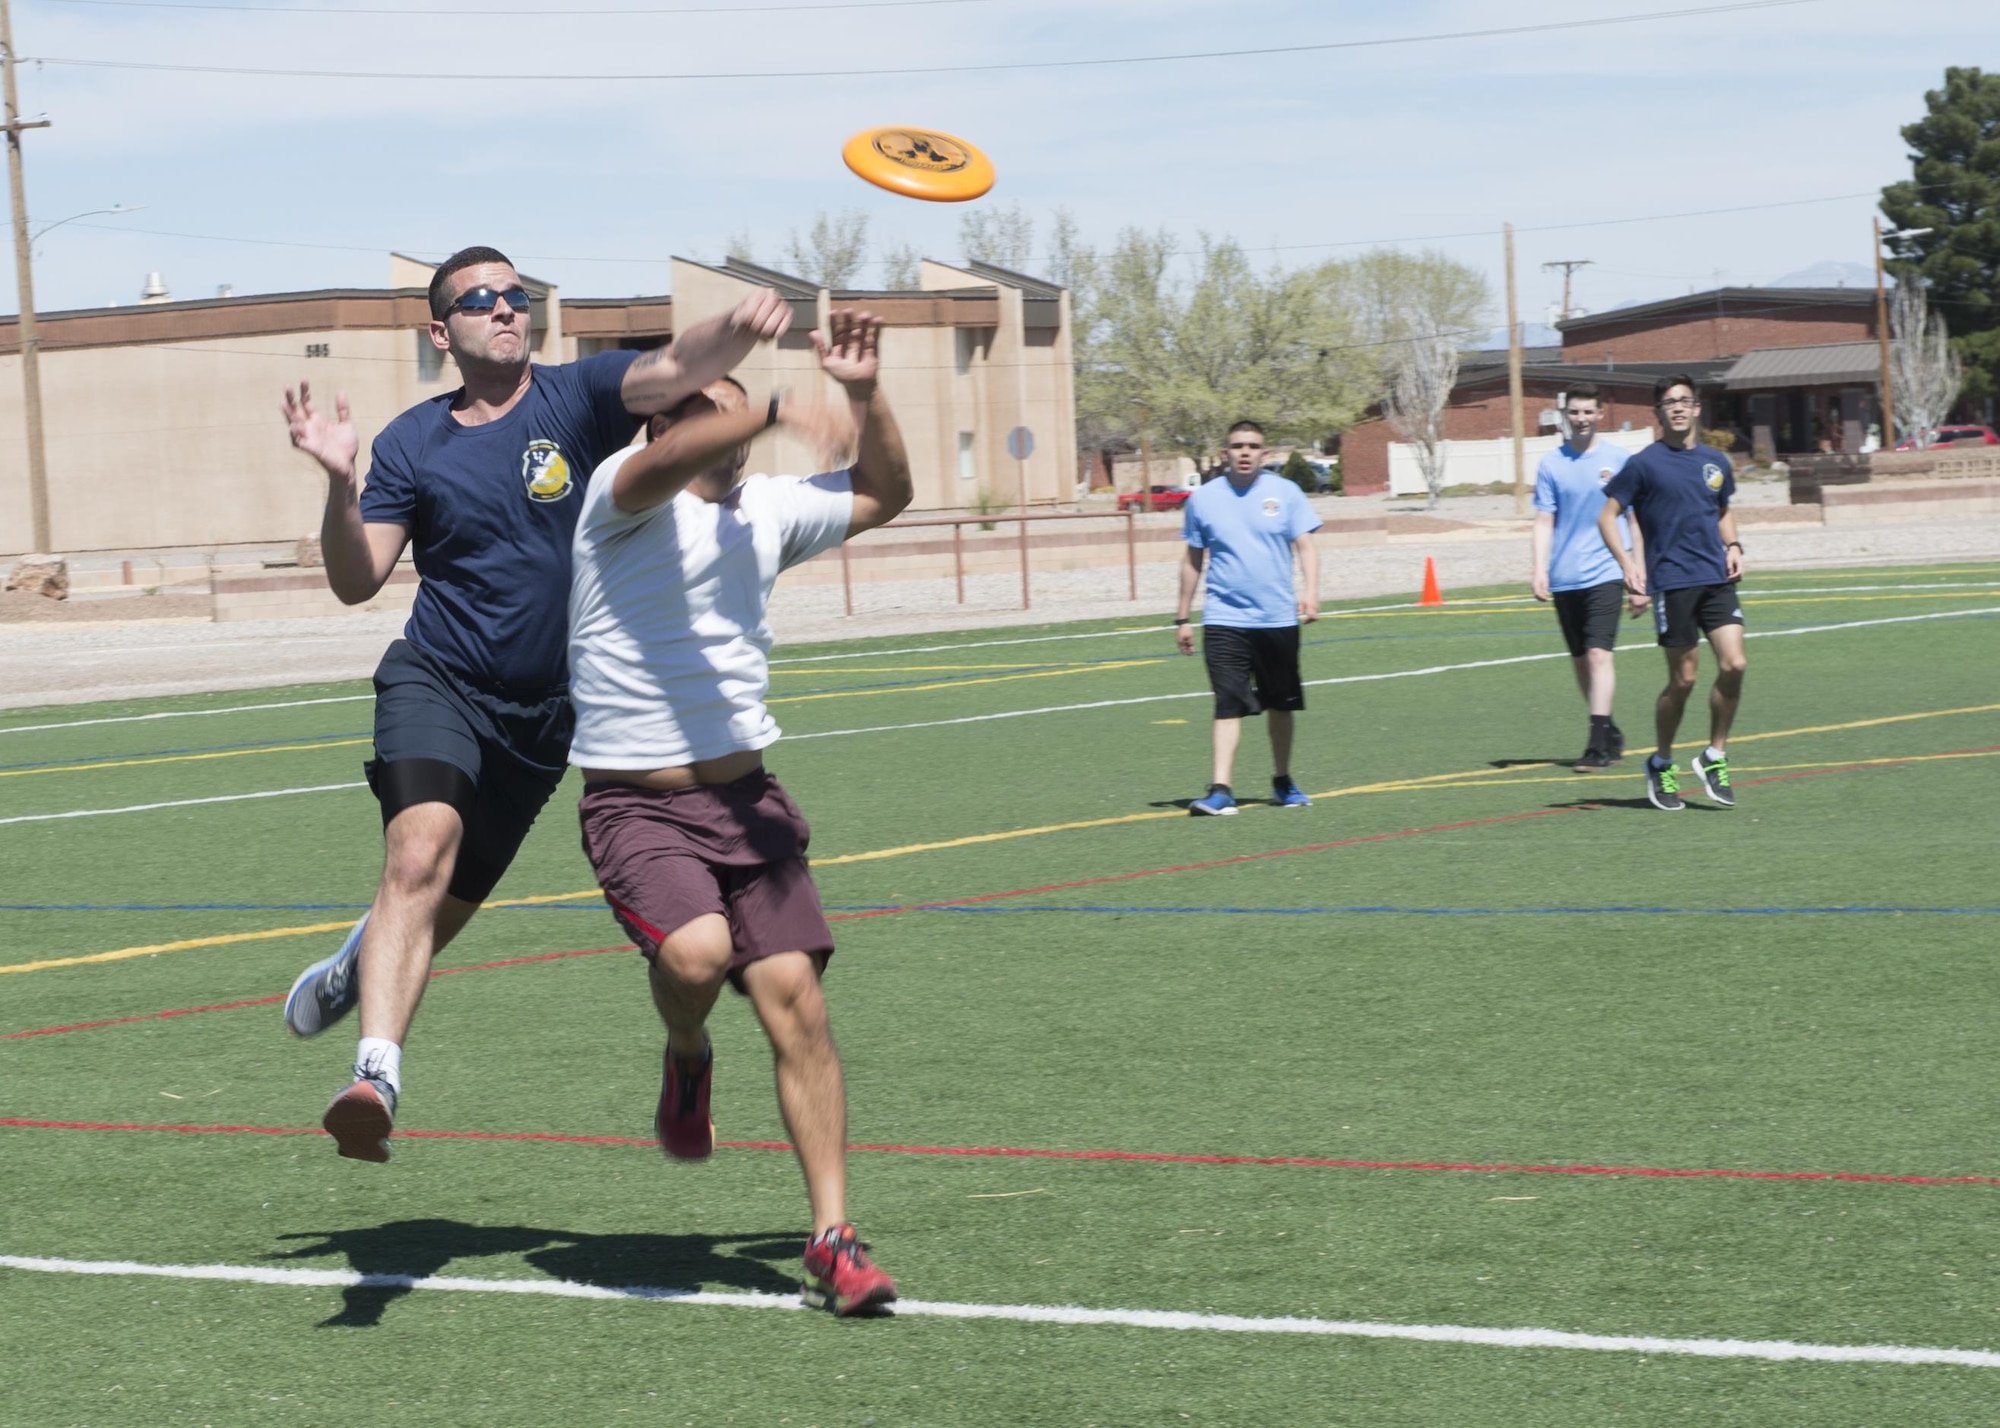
point(1432, 595)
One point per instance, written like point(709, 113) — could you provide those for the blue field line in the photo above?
point(1422, 911)
point(205, 749)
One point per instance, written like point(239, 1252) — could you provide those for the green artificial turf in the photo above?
point(1463, 955)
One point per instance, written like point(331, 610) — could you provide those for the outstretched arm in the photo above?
point(658, 379)
point(656, 473)
point(850, 354)
point(359, 555)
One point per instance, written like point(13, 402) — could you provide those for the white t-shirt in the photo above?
point(668, 644)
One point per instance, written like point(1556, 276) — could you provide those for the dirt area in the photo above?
point(18, 607)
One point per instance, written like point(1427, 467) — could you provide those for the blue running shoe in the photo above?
point(326, 991)
point(1217, 801)
point(1287, 794)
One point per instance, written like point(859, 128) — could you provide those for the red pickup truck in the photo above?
point(1160, 498)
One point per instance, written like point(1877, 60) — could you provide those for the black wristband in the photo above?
point(771, 413)
point(1181, 620)
point(1735, 545)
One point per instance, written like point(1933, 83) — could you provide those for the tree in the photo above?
point(1004, 237)
point(1925, 373)
point(1300, 473)
point(1955, 192)
point(900, 268)
point(1421, 373)
point(833, 251)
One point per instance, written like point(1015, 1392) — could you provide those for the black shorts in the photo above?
point(1252, 670)
point(1589, 617)
point(1683, 616)
point(491, 755)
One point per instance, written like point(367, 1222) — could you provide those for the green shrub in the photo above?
point(1300, 473)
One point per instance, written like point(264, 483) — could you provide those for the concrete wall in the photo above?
point(1489, 462)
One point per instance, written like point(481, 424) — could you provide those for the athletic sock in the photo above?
point(1715, 755)
point(1601, 721)
point(381, 1059)
point(1654, 761)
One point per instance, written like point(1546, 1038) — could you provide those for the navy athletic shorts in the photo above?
point(493, 755)
point(1683, 616)
point(1252, 670)
point(1589, 617)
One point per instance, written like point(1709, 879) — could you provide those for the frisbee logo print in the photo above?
point(933, 153)
point(545, 471)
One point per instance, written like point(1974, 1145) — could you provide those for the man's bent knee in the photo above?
point(696, 953)
point(422, 847)
point(785, 987)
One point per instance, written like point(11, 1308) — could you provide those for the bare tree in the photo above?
point(1421, 371)
point(1004, 237)
point(900, 268)
point(1925, 372)
point(833, 251)
point(739, 246)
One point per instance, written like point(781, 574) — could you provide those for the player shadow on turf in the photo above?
point(395, 1254)
point(1641, 803)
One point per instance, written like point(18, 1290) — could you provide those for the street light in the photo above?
point(117, 210)
point(1882, 329)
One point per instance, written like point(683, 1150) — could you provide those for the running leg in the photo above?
point(785, 991)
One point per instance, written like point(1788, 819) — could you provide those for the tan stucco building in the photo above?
point(162, 426)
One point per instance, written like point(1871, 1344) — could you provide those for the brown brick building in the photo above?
point(1778, 407)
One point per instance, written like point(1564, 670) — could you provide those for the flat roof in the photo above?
point(1724, 298)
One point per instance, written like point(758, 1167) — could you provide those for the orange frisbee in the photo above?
point(920, 163)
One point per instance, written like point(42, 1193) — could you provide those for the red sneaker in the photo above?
point(840, 1276)
point(681, 1124)
point(360, 1119)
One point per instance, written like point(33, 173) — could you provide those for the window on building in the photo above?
point(968, 462)
point(430, 361)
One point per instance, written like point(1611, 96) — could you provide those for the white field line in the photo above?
point(185, 713)
point(1775, 1350)
point(177, 803)
point(931, 649)
point(1347, 679)
point(1062, 709)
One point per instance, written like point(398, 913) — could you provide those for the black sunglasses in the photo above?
point(484, 299)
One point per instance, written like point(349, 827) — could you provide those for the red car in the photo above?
point(1164, 498)
point(1951, 436)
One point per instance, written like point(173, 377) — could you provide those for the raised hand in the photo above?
point(848, 352)
point(333, 444)
point(762, 314)
point(830, 429)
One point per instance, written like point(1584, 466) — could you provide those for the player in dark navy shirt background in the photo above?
point(1679, 490)
point(472, 714)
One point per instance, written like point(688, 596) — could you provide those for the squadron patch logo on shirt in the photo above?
point(1270, 505)
point(545, 471)
point(1712, 474)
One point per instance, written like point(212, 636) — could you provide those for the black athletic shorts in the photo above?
point(1683, 616)
point(492, 755)
point(1589, 617)
point(1252, 670)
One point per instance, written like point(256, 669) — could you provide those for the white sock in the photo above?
point(1715, 755)
point(382, 1059)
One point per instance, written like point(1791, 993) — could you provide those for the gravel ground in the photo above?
point(68, 660)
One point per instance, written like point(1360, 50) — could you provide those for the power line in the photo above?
point(480, 76)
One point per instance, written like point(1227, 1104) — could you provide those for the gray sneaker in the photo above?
point(360, 1119)
point(326, 991)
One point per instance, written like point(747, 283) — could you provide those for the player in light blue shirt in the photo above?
point(1575, 570)
point(1245, 530)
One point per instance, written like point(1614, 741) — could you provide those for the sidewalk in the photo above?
point(84, 654)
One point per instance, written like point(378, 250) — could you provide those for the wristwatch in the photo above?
point(771, 413)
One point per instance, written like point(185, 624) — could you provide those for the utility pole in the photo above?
point(31, 367)
point(1568, 265)
point(1889, 397)
point(1513, 381)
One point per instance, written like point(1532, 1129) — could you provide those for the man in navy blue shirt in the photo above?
point(1574, 570)
point(472, 713)
point(1246, 530)
point(1679, 490)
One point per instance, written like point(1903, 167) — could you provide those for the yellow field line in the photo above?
point(933, 668)
point(1469, 778)
point(1754, 768)
point(182, 758)
point(1752, 597)
point(124, 952)
point(963, 683)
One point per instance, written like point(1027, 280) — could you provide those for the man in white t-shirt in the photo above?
point(700, 852)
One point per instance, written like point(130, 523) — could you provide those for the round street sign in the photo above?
point(1020, 443)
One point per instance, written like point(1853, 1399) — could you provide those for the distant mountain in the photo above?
point(1828, 274)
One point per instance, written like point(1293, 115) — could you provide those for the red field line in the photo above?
point(1129, 1156)
point(268, 1001)
point(1015, 892)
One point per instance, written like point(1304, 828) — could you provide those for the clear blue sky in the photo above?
point(1297, 152)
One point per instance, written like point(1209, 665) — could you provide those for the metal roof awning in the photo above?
point(1833, 364)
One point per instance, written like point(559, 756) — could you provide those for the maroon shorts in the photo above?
point(665, 858)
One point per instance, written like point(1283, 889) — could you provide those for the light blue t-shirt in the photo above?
point(1248, 535)
point(1572, 486)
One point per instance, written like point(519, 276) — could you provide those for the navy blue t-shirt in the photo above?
point(491, 510)
point(1677, 497)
